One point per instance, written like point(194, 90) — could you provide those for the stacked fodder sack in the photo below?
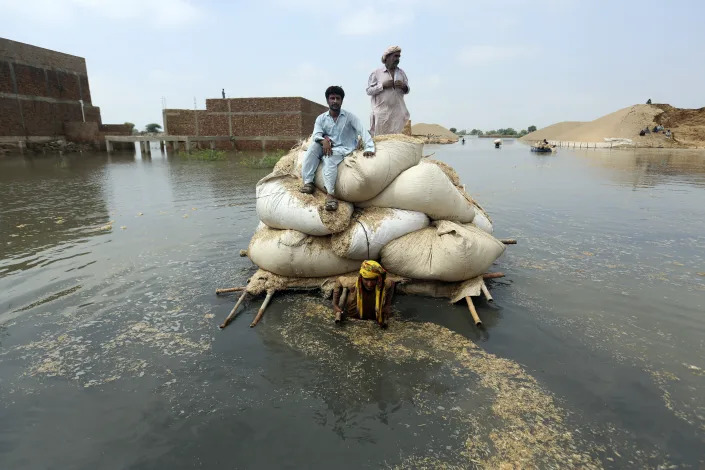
point(409, 212)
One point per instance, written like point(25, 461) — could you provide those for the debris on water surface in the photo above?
point(522, 427)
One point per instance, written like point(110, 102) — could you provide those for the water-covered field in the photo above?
point(111, 356)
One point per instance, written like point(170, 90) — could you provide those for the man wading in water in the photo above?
point(335, 137)
point(370, 299)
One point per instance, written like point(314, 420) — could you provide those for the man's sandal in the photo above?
point(331, 205)
point(307, 188)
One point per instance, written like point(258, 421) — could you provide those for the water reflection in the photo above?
point(646, 168)
point(47, 202)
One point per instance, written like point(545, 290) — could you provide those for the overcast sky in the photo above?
point(471, 64)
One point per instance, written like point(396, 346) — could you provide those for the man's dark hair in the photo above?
point(335, 90)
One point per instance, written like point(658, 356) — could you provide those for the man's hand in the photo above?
point(399, 84)
point(369, 154)
point(388, 84)
point(327, 147)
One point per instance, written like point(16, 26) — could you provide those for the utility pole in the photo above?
point(164, 115)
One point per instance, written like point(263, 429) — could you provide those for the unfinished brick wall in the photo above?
point(256, 123)
point(10, 118)
point(86, 132)
point(38, 56)
point(116, 129)
point(40, 89)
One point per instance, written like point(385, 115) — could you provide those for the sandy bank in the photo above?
point(433, 134)
point(687, 126)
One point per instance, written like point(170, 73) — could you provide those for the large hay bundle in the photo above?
point(295, 254)
point(372, 228)
point(281, 205)
point(426, 188)
point(446, 251)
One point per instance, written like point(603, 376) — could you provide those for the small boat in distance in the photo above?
point(542, 147)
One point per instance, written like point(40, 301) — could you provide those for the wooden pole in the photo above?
point(492, 275)
point(473, 312)
point(343, 298)
point(270, 293)
point(486, 292)
point(228, 290)
point(508, 241)
point(232, 312)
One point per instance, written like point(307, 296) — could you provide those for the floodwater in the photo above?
point(111, 357)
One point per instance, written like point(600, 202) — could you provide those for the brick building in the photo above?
point(252, 123)
point(45, 95)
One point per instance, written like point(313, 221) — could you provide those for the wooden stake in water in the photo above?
point(486, 292)
point(492, 275)
point(232, 312)
point(270, 293)
point(473, 312)
point(228, 290)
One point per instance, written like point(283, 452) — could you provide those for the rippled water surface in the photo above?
point(111, 356)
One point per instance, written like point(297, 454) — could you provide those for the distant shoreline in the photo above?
point(496, 136)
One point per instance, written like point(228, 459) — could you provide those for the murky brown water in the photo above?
point(110, 355)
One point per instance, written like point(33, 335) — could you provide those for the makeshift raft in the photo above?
point(268, 283)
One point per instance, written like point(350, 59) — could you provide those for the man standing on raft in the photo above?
point(387, 86)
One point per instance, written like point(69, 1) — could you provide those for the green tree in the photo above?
point(523, 133)
point(453, 130)
point(131, 125)
point(152, 127)
point(532, 129)
point(463, 132)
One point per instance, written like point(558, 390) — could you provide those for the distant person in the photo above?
point(387, 86)
point(223, 93)
point(370, 299)
point(648, 101)
point(463, 140)
point(334, 138)
point(642, 133)
point(668, 133)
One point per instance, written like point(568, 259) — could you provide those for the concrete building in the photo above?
point(251, 123)
point(45, 95)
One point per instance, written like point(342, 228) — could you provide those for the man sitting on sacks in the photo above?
point(335, 136)
point(370, 299)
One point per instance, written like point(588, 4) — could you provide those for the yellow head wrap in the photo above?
point(372, 270)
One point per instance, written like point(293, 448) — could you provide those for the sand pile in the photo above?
point(433, 134)
point(687, 125)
